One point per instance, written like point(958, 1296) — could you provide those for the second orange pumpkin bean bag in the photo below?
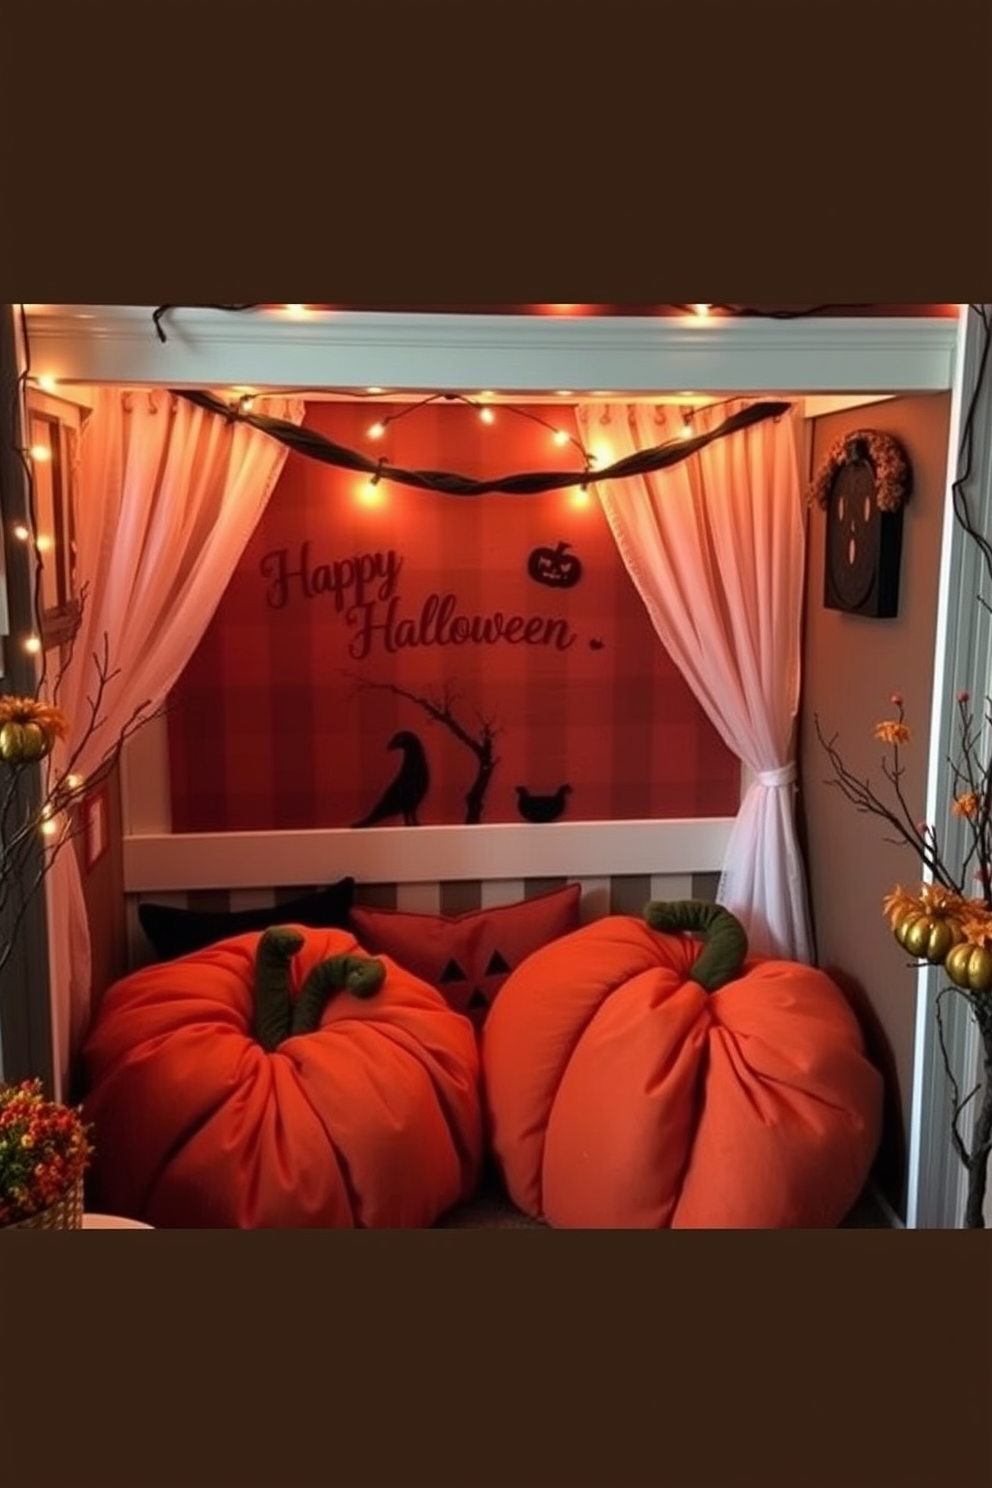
point(636, 1078)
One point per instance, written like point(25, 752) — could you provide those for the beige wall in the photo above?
point(852, 667)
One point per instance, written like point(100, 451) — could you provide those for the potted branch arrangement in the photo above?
point(45, 1147)
point(946, 920)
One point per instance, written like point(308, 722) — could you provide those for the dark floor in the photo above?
point(868, 1214)
point(492, 1210)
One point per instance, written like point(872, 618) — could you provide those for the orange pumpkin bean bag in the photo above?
point(281, 1080)
point(637, 1079)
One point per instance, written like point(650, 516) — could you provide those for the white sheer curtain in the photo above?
point(715, 546)
point(168, 496)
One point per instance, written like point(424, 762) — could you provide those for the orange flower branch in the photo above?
point(943, 924)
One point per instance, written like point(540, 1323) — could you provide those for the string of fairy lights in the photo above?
point(54, 822)
point(309, 442)
point(379, 469)
point(25, 530)
point(487, 415)
point(702, 311)
point(243, 407)
point(31, 455)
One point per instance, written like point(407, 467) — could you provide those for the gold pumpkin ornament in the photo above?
point(928, 926)
point(970, 967)
point(28, 729)
point(929, 937)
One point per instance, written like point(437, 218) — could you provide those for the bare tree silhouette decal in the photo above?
point(440, 709)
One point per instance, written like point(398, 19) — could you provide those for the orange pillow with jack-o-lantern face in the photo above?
point(468, 957)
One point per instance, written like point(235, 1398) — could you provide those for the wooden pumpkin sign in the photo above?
point(650, 1075)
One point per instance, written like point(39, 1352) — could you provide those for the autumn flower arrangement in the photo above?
point(44, 1145)
point(44, 1150)
point(945, 921)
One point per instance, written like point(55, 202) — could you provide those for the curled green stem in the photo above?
point(277, 1017)
point(273, 1003)
point(360, 975)
point(724, 937)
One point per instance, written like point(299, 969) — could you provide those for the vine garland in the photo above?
point(308, 442)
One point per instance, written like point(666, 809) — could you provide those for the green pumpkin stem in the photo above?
point(273, 1003)
point(725, 939)
point(360, 975)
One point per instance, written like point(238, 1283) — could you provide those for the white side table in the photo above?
point(111, 1222)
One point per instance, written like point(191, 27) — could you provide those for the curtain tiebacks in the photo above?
point(775, 779)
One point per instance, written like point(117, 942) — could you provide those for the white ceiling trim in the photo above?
point(512, 354)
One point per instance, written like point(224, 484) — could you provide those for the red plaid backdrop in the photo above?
point(282, 718)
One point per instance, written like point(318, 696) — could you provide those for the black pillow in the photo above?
point(178, 932)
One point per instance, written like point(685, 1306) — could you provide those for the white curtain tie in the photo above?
point(775, 779)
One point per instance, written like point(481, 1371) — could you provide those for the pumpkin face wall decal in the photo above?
point(556, 568)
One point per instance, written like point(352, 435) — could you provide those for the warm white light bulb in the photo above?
point(377, 431)
point(43, 543)
point(686, 430)
point(702, 309)
point(487, 416)
point(33, 644)
point(47, 384)
point(370, 493)
point(50, 827)
point(73, 782)
point(21, 532)
point(581, 497)
point(40, 452)
point(560, 436)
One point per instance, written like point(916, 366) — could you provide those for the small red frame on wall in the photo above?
point(95, 835)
